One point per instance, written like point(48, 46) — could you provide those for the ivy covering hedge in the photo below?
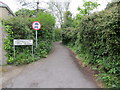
point(21, 28)
point(69, 35)
point(97, 42)
point(57, 34)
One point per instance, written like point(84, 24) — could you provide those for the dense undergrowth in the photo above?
point(97, 43)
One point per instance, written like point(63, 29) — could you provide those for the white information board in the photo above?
point(23, 42)
point(17, 42)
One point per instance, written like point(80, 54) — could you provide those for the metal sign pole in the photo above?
point(14, 51)
point(36, 26)
point(32, 50)
point(36, 39)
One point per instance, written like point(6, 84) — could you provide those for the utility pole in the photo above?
point(36, 30)
point(37, 5)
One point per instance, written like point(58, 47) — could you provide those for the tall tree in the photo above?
point(86, 9)
point(29, 4)
point(115, 0)
point(58, 9)
point(67, 19)
point(112, 3)
point(25, 12)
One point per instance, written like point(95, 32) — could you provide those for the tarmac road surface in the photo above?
point(58, 70)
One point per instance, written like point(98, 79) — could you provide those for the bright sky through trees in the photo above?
point(14, 5)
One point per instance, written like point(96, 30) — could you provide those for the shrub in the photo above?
point(57, 34)
point(20, 28)
point(99, 37)
point(98, 43)
point(69, 35)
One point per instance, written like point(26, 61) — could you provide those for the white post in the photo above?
point(36, 39)
point(32, 50)
point(14, 51)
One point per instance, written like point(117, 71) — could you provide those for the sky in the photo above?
point(14, 5)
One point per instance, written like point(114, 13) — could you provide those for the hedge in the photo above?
point(57, 34)
point(20, 28)
point(98, 42)
point(69, 35)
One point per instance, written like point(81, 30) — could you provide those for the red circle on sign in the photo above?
point(40, 25)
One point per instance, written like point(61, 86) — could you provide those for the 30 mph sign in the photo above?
point(36, 25)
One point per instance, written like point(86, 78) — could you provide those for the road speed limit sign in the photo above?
point(36, 25)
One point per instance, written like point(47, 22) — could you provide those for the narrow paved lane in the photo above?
point(58, 70)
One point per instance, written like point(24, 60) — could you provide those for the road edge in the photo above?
point(86, 69)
